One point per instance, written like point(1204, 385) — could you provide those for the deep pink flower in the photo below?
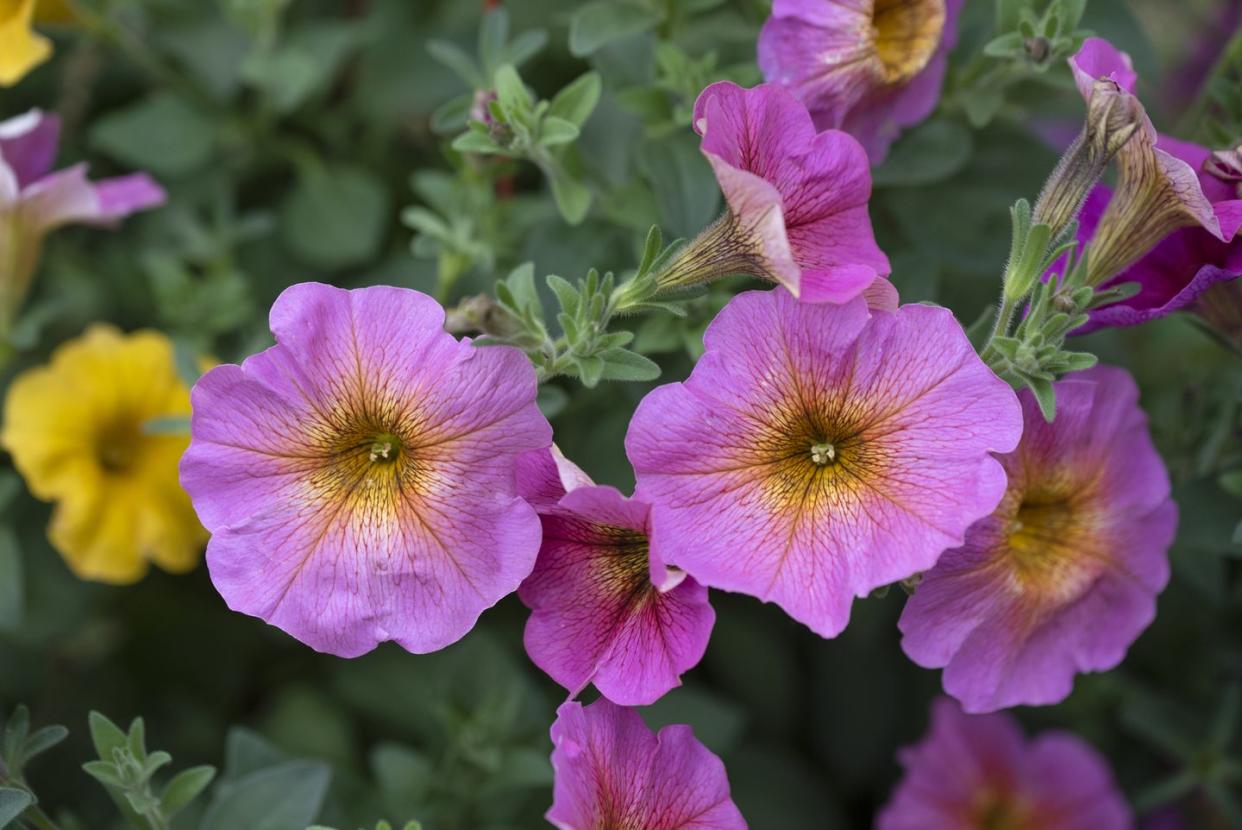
point(816, 453)
point(35, 201)
point(869, 67)
point(797, 201)
point(612, 772)
point(605, 608)
point(1063, 576)
point(1170, 225)
point(359, 476)
point(978, 772)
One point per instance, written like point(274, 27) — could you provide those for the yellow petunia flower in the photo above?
point(76, 429)
point(21, 48)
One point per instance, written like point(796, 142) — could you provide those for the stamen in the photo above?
point(823, 453)
point(384, 448)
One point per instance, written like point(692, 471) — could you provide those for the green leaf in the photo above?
point(106, 736)
point(1231, 483)
point(1008, 13)
point(302, 66)
point(284, 797)
point(514, 98)
point(12, 582)
point(493, 32)
point(335, 216)
point(455, 58)
point(246, 751)
point(603, 21)
point(41, 741)
point(621, 364)
point(104, 772)
point(452, 115)
point(577, 101)
point(566, 294)
point(523, 47)
point(554, 131)
point(685, 186)
point(184, 787)
point(932, 152)
point(573, 198)
point(161, 133)
point(167, 425)
point(590, 370)
point(12, 803)
point(552, 400)
point(476, 142)
point(1045, 396)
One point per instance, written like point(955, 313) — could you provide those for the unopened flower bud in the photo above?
point(1226, 165)
point(1113, 117)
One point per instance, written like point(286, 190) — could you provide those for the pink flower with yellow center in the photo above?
point(978, 772)
point(605, 608)
point(797, 201)
point(818, 452)
point(869, 67)
point(359, 476)
point(1063, 576)
point(612, 772)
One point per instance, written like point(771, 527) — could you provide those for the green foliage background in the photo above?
point(291, 136)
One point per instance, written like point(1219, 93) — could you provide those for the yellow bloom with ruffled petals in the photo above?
point(77, 429)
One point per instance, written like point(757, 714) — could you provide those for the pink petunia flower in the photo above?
point(977, 772)
point(611, 771)
point(35, 201)
point(605, 608)
point(359, 476)
point(797, 201)
point(1164, 192)
point(1063, 576)
point(816, 453)
point(869, 67)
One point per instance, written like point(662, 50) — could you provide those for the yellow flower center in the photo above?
point(906, 34)
point(823, 453)
point(998, 810)
point(1054, 548)
point(117, 447)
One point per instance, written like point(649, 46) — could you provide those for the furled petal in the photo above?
point(611, 771)
point(359, 476)
point(903, 415)
point(28, 145)
point(67, 196)
point(603, 609)
point(21, 49)
point(801, 196)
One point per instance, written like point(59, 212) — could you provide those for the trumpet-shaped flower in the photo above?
point(77, 429)
point(34, 201)
point(797, 201)
point(978, 772)
point(816, 453)
point(359, 476)
point(605, 608)
point(1161, 188)
point(1063, 576)
point(611, 771)
point(869, 67)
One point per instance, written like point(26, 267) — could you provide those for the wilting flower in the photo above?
point(358, 476)
point(79, 433)
point(1063, 576)
point(797, 201)
point(869, 67)
point(611, 771)
point(1183, 270)
point(34, 201)
point(1158, 192)
point(978, 772)
point(816, 453)
point(605, 608)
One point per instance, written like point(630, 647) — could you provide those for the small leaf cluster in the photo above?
point(127, 770)
point(518, 125)
point(1033, 355)
point(383, 825)
point(20, 746)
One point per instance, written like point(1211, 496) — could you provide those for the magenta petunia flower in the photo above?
point(977, 772)
point(35, 201)
point(1164, 192)
point(1063, 576)
point(359, 476)
point(605, 608)
point(816, 453)
point(797, 201)
point(611, 771)
point(869, 67)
